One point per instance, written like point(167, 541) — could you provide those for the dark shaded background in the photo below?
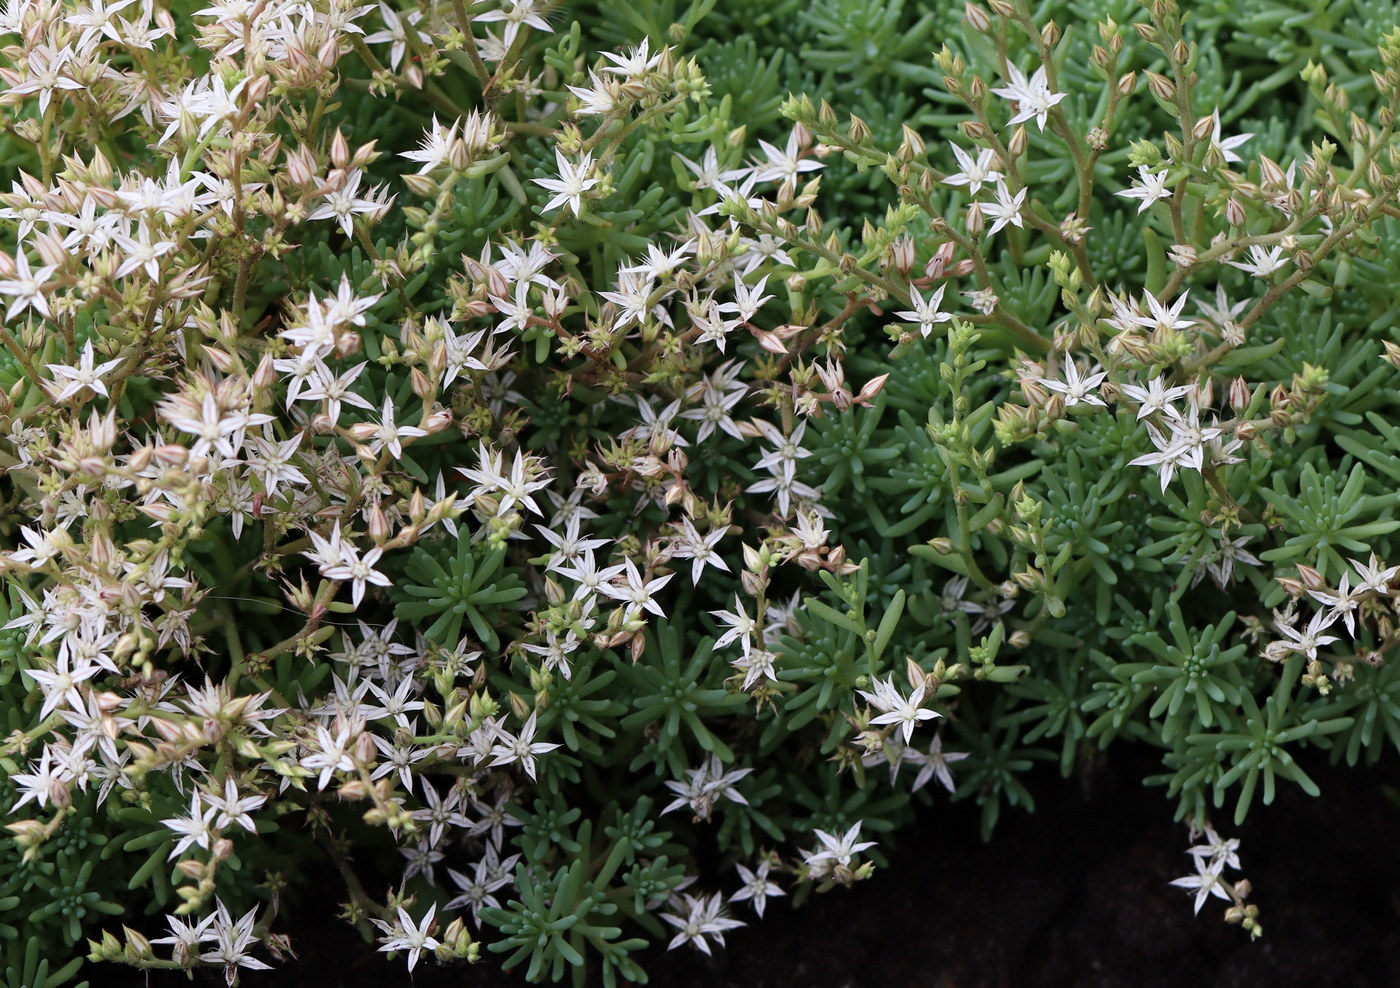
point(1074, 894)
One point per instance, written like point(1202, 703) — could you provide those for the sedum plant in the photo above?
point(584, 472)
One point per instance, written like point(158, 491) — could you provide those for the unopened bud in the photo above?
point(1017, 145)
point(902, 254)
point(340, 150)
point(1239, 394)
point(1161, 87)
point(975, 220)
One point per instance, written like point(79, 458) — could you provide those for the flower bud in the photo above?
point(340, 150)
point(975, 220)
point(1017, 145)
point(1161, 87)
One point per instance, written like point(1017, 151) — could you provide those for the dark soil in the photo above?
point(1075, 894)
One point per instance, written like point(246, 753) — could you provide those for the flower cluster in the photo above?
point(527, 450)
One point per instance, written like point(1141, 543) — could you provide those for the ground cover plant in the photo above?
point(587, 469)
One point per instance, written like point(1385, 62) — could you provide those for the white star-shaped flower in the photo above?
point(1032, 96)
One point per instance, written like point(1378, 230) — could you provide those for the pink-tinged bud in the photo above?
point(975, 220)
point(1269, 172)
point(378, 525)
point(1239, 394)
point(459, 155)
point(974, 130)
point(218, 357)
point(1206, 393)
point(438, 421)
point(938, 263)
point(1050, 35)
point(301, 167)
point(977, 18)
point(266, 374)
point(363, 431)
point(871, 389)
point(27, 832)
point(1161, 87)
point(1017, 145)
point(257, 91)
point(1280, 413)
point(321, 424)
point(414, 73)
point(902, 253)
point(496, 283)
point(421, 185)
point(340, 150)
point(50, 248)
point(769, 341)
point(191, 868)
point(418, 381)
point(1311, 578)
point(102, 430)
point(911, 144)
point(1204, 128)
point(1234, 212)
point(365, 748)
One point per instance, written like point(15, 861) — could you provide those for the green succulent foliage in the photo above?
point(579, 906)
point(1188, 672)
point(1372, 701)
point(1328, 516)
point(26, 966)
point(1256, 747)
point(678, 695)
point(48, 904)
point(467, 587)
